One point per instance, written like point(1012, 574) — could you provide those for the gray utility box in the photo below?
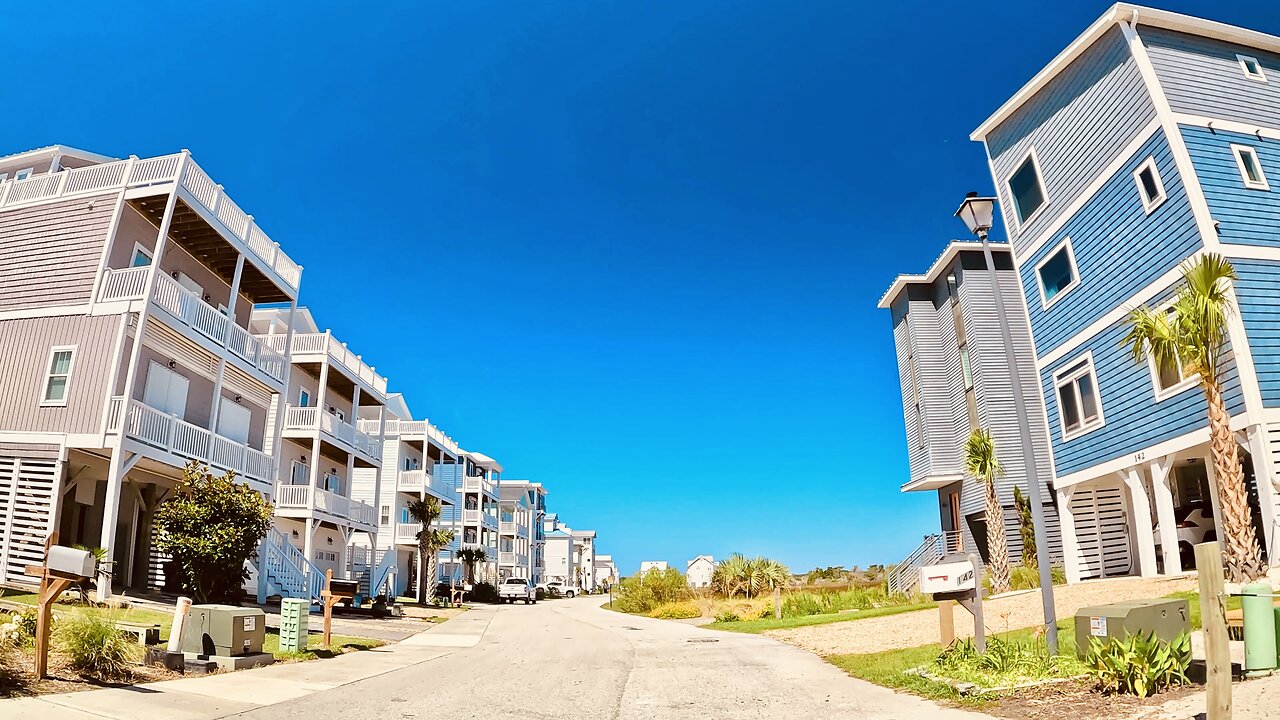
point(224, 630)
point(1164, 618)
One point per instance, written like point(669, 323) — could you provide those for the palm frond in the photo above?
point(980, 456)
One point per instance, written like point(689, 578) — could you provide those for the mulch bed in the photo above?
point(1078, 701)
point(17, 678)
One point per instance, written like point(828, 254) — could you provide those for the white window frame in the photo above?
point(1061, 378)
point(49, 375)
point(1239, 151)
point(1150, 204)
point(24, 173)
point(140, 248)
point(301, 392)
point(1013, 202)
point(1244, 60)
point(4, 176)
point(1047, 302)
point(1186, 383)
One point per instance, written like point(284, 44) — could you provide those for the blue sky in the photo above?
point(632, 250)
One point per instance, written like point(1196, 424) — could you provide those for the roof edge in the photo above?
point(948, 254)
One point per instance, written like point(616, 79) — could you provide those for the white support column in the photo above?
point(1264, 473)
point(1212, 476)
point(322, 407)
point(308, 542)
point(1160, 475)
point(1067, 527)
point(1140, 513)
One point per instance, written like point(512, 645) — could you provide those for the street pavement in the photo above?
point(563, 659)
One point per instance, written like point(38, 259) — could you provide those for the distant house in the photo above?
point(698, 571)
point(648, 565)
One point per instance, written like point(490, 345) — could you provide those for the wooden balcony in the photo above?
point(307, 501)
point(183, 441)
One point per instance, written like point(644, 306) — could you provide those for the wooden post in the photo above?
point(946, 623)
point(1214, 619)
point(777, 603)
point(329, 601)
point(52, 585)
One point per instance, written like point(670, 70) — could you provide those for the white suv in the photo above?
point(559, 589)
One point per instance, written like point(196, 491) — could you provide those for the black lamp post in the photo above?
point(977, 214)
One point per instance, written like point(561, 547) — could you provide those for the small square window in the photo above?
point(1057, 274)
point(1079, 409)
point(58, 377)
point(23, 174)
point(1150, 187)
point(1252, 68)
point(1250, 167)
point(1027, 189)
point(1171, 378)
point(141, 256)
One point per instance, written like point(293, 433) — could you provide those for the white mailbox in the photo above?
point(70, 561)
point(949, 577)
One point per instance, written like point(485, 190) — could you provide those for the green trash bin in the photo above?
point(1259, 627)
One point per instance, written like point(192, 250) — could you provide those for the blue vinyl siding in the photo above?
point(1257, 291)
point(1118, 248)
point(1133, 419)
point(1245, 216)
point(1077, 124)
point(1201, 76)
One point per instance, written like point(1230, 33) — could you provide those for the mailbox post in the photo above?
point(62, 567)
point(334, 592)
point(957, 580)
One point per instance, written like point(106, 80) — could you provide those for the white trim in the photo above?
point(1239, 152)
point(4, 176)
point(1044, 193)
point(1062, 377)
point(1046, 302)
point(1122, 158)
point(1186, 383)
point(935, 270)
point(19, 175)
point(49, 375)
point(1150, 204)
point(1234, 126)
point(1244, 60)
point(140, 248)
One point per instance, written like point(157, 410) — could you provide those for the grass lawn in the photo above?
point(761, 625)
point(889, 668)
point(316, 647)
point(1193, 605)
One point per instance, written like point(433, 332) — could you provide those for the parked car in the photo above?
point(516, 589)
point(1195, 525)
point(559, 589)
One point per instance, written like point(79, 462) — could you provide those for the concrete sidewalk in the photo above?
point(218, 696)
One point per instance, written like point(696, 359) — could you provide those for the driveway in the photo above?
point(571, 659)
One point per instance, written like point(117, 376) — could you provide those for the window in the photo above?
point(4, 176)
point(1150, 188)
point(1027, 189)
point(1057, 273)
point(1078, 408)
point(1252, 68)
point(304, 398)
point(141, 256)
point(965, 367)
point(55, 381)
point(1172, 378)
point(384, 515)
point(1250, 167)
point(23, 174)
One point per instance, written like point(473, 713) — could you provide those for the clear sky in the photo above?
point(632, 250)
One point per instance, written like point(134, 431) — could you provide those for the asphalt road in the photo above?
point(570, 659)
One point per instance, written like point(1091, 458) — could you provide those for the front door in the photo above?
point(953, 502)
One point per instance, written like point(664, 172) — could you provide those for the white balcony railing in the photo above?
point(133, 173)
point(306, 497)
point(311, 418)
point(153, 427)
point(507, 528)
point(413, 481)
point(478, 484)
point(126, 284)
point(411, 427)
point(325, 344)
point(191, 310)
point(506, 558)
point(407, 533)
point(471, 517)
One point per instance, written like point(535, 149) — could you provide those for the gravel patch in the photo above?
point(1009, 612)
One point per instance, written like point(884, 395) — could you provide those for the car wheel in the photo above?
point(527, 601)
point(1187, 554)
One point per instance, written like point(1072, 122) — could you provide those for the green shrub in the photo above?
point(1006, 661)
point(1139, 664)
point(641, 594)
point(96, 647)
point(728, 616)
point(802, 604)
point(676, 611)
point(1027, 577)
point(483, 592)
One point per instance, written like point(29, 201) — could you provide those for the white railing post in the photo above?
point(173, 431)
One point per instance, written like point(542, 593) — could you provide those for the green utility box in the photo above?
point(224, 630)
point(1164, 618)
point(293, 624)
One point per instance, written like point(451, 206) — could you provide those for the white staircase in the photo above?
point(375, 571)
point(287, 571)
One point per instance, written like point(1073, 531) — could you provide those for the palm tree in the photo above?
point(430, 542)
point(982, 463)
point(1191, 335)
point(750, 576)
point(470, 557)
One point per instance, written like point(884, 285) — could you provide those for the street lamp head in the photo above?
point(977, 213)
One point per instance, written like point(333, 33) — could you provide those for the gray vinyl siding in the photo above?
point(1201, 76)
point(49, 254)
point(1077, 124)
point(917, 455)
point(994, 382)
point(24, 358)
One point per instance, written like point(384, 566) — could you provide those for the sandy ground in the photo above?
point(1010, 612)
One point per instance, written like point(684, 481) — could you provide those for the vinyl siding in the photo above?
point(1077, 124)
point(49, 254)
point(1256, 292)
point(1118, 248)
point(917, 456)
point(1201, 76)
point(1133, 420)
point(1244, 216)
point(24, 357)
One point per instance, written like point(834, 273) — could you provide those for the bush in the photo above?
point(483, 592)
point(802, 604)
point(676, 611)
point(1139, 664)
point(641, 594)
point(96, 647)
point(1006, 661)
point(539, 593)
point(1027, 577)
point(727, 616)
